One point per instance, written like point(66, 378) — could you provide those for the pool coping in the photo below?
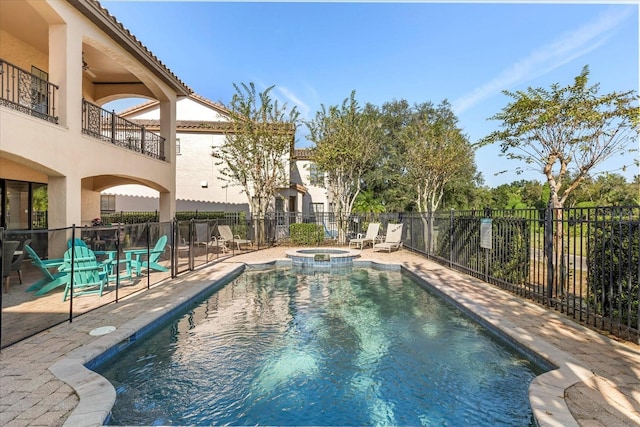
point(323, 257)
point(546, 392)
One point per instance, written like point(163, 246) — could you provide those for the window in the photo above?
point(316, 176)
point(279, 211)
point(316, 208)
point(316, 212)
point(23, 205)
point(39, 205)
point(177, 146)
point(107, 203)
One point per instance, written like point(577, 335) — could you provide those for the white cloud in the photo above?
point(291, 98)
point(543, 60)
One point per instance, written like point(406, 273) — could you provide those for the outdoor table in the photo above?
point(112, 256)
point(137, 253)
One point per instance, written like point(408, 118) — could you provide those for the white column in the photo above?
point(65, 70)
point(64, 202)
point(168, 132)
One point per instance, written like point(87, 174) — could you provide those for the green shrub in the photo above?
point(306, 234)
point(613, 270)
point(510, 246)
point(142, 217)
point(130, 217)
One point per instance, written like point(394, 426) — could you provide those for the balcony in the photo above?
point(28, 93)
point(109, 127)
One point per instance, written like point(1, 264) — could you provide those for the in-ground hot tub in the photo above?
point(322, 257)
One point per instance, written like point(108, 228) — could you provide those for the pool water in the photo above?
point(284, 347)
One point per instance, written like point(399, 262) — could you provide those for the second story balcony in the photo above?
point(31, 93)
point(28, 92)
point(109, 127)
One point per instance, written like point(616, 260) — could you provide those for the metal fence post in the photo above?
point(174, 248)
point(2, 239)
point(451, 218)
point(117, 261)
point(192, 228)
point(73, 253)
point(548, 249)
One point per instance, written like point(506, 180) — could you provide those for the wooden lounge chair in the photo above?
point(76, 242)
point(50, 279)
point(393, 239)
point(370, 236)
point(136, 255)
point(85, 275)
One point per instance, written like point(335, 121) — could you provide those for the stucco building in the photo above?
point(200, 125)
point(60, 61)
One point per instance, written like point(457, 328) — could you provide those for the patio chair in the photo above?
point(393, 239)
point(16, 264)
point(204, 239)
point(330, 234)
point(109, 263)
point(8, 248)
point(202, 234)
point(89, 275)
point(218, 243)
point(370, 236)
point(226, 235)
point(76, 242)
point(135, 255)
point(53, 279)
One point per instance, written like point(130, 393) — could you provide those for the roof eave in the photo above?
point(99, 16)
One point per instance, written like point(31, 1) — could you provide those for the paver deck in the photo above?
point(597, 383)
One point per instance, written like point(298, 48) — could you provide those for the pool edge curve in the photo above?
point(546, 392)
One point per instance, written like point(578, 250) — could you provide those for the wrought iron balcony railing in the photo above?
point(109, 127)
point(23, 91)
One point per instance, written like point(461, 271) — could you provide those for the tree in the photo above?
point(387, 177)
point(258, 142)
point(566, 132)
point(610, 189)
point(518, 195)
point(345, 139)
point(367, 203)
point(437, 152)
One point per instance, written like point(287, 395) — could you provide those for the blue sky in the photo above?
point(466, 52)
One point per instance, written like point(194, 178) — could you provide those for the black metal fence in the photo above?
point(109, 127)
point(28, 93)
point(582, 262)
point(134, 257)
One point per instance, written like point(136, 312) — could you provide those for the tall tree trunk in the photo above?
point(560, 276)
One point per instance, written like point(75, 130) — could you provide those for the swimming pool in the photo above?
point(289, 347)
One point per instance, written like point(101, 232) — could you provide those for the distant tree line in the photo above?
point(399, 157)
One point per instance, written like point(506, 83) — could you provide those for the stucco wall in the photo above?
point(21, 54)
point(76, 166)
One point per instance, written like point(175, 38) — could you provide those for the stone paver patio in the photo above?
point(597, 383)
